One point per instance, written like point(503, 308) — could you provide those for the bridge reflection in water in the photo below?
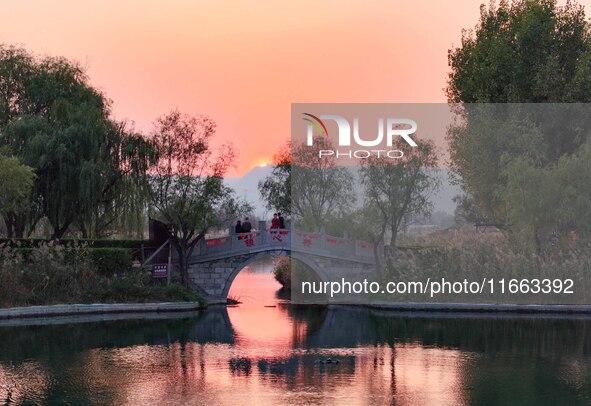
point(253, 354)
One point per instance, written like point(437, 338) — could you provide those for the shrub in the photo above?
point(53, 273)
point(474, 256)
point(43, 275)
point(88, 242)
point(110, 261)
point(178, 292)
point(282, 271)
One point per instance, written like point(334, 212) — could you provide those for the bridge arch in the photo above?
point(238, 267)
point(217, 261)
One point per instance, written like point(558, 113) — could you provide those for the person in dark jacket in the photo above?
point(281, 221)
point(246, 226)
point(238, 227)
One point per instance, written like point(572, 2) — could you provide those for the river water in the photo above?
point(265, 351)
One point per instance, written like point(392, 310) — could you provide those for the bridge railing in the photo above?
point(337, 246)
point(237, 242)
point(314, 243)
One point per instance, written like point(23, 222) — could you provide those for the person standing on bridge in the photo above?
point(281, 221)
point(275, 222)
point(246, 226)
point(239, 230)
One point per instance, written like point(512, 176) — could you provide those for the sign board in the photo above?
point(159, 270)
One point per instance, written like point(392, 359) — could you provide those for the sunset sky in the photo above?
point(244, 63)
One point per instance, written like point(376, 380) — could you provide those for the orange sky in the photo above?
point(243, 63)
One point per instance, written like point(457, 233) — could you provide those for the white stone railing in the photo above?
point(264, 239)
point(244, 242)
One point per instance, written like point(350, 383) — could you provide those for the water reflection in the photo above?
point(260, 320)
point(254, 354)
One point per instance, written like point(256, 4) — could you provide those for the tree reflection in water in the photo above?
point(277, 355)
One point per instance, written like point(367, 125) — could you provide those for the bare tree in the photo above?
point(398, 189)
point(187, 189)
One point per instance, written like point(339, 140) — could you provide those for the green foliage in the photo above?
point(474, 255)
point(187, 188)
point(511, 159)
point(103, 243)
point(275, 189)
point(525, 51)
point(312, 190)
point(16, 183)
point(397, 190)
point(58, 274)
point(106, 261)
point(320, 189)
point(110, 261)
point(43, 275)
point(552, 199)
point(85, 242)
point(54, 121)
point(179, 293)
point(136, 286)
point(466, 211)
point(282, 271)
point(287, 271)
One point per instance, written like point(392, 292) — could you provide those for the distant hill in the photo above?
point(246, 186)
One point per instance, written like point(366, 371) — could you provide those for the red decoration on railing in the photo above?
point(277, 237)
point(215, 242)
point(335, 240)
point(249, 241)
point(304, 235)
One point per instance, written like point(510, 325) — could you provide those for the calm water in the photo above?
point(252, 354)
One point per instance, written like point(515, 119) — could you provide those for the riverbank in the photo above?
point(124, 309)
point(482, 308)
point(557, 309)
point(54, 274)
point(97, 308)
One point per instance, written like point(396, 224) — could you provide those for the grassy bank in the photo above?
point(475, 256)
point(484, 268)
point(60, 274)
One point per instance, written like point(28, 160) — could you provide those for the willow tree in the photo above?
point(54, 121)
point(187, 189)
point(16, 182)
point(116, 193)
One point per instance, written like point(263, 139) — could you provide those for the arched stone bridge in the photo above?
point(216, 261)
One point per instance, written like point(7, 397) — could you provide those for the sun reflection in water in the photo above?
point(267, 352)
